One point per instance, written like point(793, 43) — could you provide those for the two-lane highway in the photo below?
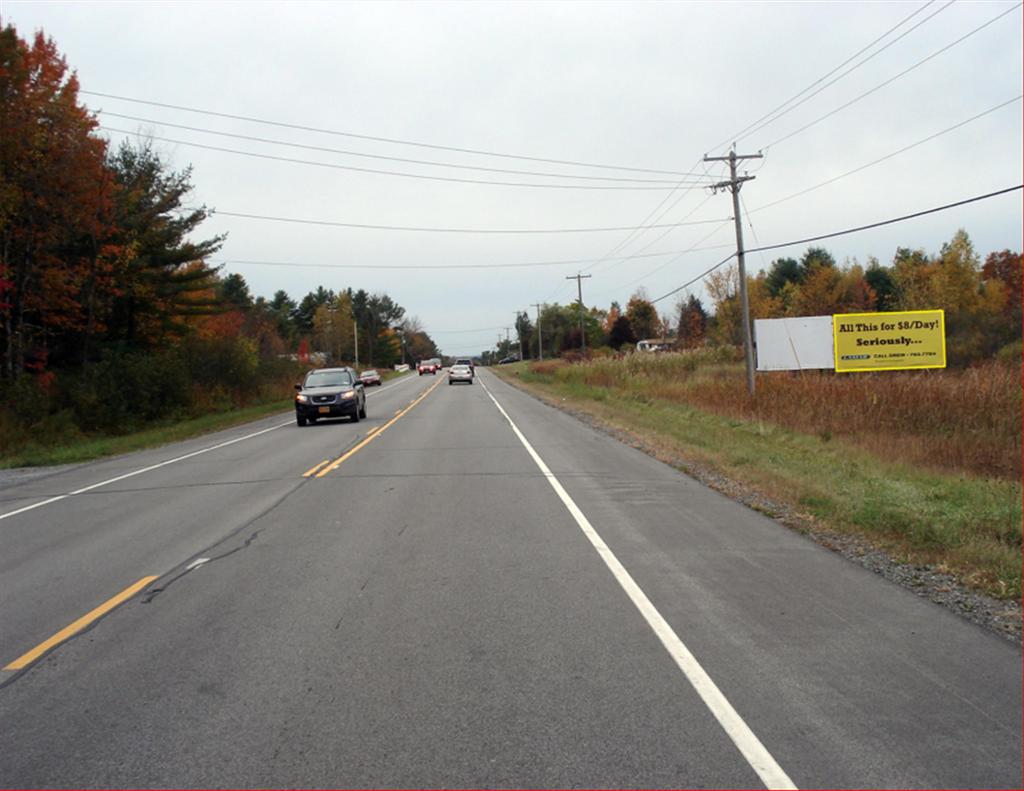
point(79, 536)
point(470, 589)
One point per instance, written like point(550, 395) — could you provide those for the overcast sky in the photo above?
point(652, 86)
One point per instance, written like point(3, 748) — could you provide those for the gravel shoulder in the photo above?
point(998, 616)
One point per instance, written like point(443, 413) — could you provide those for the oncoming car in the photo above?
point(329, 392)
point(370, 377)
point(460, 373)
point(427, 367)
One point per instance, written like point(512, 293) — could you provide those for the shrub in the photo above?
point(1011, 354)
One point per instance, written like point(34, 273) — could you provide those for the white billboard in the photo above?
point(794, 344)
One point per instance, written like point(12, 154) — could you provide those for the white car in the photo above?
point(460, 373)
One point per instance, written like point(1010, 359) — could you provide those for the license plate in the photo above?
point(325, 410)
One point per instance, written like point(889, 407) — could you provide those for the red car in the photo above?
point(427, 367)
point(369, 378)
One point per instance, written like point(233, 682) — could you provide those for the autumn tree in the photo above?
point(781, 272)
point(621, 333)
point(55, 248)
point(881, 282)
point(723, 288)
point(1001, 276)
point(162, 275)
point(333, 330)
point(524, 331)
point(418, 344)
point(304, 312)
point(643, 316)
point(693, 322)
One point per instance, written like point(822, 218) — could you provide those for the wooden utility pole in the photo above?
point(733, 185)
point(540, 338)
point(579, 288)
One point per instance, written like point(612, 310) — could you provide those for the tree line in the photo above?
point(110, 313)
point(981, 300)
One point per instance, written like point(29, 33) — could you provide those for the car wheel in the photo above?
point(300, 420)
point(362, 412)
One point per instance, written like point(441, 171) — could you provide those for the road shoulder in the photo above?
point(928, 582)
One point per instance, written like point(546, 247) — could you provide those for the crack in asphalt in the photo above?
point(153, 592)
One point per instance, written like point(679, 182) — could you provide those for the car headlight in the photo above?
point(301, 398)
point(348, 394)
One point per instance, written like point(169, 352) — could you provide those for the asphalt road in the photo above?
point(482, 593)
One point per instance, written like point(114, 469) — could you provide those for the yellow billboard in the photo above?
point(889, 341)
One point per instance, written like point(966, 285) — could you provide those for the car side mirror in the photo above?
point(298, 385)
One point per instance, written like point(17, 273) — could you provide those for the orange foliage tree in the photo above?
point(56, 242)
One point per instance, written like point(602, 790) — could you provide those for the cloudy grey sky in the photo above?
point(650, 86)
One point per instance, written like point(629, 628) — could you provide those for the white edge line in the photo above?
point(156, 466)
point(746, 741)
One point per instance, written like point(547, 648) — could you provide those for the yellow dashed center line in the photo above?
point(69, 631)
point(374, 434)
point(315, 467)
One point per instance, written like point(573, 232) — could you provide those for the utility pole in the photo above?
point(579, 288)
point(540, 338)
point(733, 185)
point(519, 332)
point(355, 342)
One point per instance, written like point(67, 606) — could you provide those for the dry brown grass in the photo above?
point(963, 421)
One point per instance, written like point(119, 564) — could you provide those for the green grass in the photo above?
point(88, 448)
point(969, 526)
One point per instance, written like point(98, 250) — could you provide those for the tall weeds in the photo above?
point(963, 421)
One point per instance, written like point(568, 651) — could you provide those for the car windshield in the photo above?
point(328, 379)
point(369, 373)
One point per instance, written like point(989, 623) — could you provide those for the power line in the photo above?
point(345, 152)
point(465, 332)
point(843, 233)
point(812, 85)
point(217, 212)
point(562, 262)
point(890, 156)
point(887, 222)
point(656, 239)
point(633, 235)
point(357, 169)
point(671, 261)
point(702, 275)
point(378, 139)
point(761, 123)
point(892, 79)
point(863, 95)
point(515, 265)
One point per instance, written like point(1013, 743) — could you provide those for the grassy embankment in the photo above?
point(925, 465)
point(83, 447)
point(51, 446)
